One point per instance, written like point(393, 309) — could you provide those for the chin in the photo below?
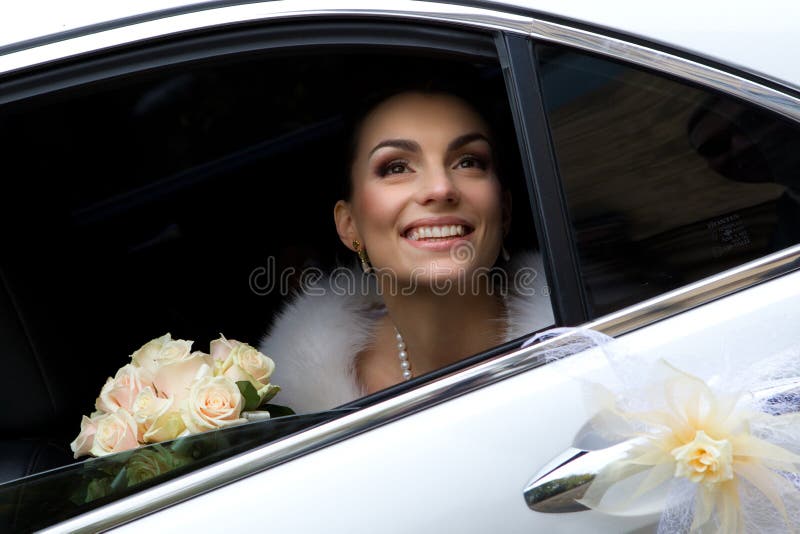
point(445, 276)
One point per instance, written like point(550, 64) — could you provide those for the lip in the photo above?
point(439, 244)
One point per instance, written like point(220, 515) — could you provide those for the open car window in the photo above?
point(192, 197)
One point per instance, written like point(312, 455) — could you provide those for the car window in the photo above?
point(193, 198)
point(665, 182)
point(49, 497)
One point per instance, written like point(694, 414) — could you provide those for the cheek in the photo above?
point(487, 199)
point(376, 210)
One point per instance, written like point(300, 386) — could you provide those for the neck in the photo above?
point(441, 329)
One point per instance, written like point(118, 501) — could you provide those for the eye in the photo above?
point(470, 162)
point(394, 167)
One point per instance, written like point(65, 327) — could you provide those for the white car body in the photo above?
point(428, 460)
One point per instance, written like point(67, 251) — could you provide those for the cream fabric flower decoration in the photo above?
point(715, 440)
point(704, 459)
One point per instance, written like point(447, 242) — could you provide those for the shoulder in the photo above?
point(313, 342)
point(528, 306)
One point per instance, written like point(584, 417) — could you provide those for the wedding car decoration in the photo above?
point(723, 449)
point(169, 391)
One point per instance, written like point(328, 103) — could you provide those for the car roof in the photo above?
point(753, 36)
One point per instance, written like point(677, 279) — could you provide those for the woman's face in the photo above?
point(426, 202)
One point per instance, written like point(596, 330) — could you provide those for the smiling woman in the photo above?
point(426, 213)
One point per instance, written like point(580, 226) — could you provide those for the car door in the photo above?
point(457, 450)
point(462, 464)
point(722, 294)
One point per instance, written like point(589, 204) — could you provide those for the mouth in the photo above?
point(438, 232)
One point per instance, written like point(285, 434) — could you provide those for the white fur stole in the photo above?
point(315, 339)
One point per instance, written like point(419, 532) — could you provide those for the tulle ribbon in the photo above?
point(727, 457)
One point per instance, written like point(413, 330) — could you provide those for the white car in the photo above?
point(157, 158)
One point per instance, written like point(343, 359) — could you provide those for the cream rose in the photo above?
point(115, 432)
point(213, 402)
point(83, 443)
point(161, 351)
point(154, 419)
point(220, 348)
point(704, 459)
point(121, 391)
point(252, 362)
point(174, 379)
point(168, 426)
point(240, 361)
point(104, 403)
point(245, 363)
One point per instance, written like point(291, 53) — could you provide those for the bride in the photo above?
point(426, 214)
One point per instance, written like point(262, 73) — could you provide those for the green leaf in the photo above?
point(250, 395)
point(276, 410)
point(271, 391)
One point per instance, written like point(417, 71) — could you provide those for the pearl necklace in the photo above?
point(405, 365)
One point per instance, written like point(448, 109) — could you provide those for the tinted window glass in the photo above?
point(48, 498)
point(665, 183)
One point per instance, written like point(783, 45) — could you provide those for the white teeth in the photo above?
point(433, 232)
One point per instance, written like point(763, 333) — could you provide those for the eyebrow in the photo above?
point(404, 144)
point(413, 146)
point(466, 139)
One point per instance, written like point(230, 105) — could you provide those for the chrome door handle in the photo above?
point(558, 486)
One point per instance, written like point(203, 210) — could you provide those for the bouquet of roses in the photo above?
point(168, 391)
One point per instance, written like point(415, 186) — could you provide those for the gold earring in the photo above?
point(362, 255)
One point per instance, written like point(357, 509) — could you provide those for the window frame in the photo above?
point(548, 201)
point(216, 45)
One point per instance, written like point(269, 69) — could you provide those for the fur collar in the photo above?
point(314, 340)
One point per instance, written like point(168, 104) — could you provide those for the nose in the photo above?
point(438, 186)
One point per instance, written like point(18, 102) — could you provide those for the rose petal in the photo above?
point(220, 348)
point(174, 379)
point(83, 443)
point(168, 426)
